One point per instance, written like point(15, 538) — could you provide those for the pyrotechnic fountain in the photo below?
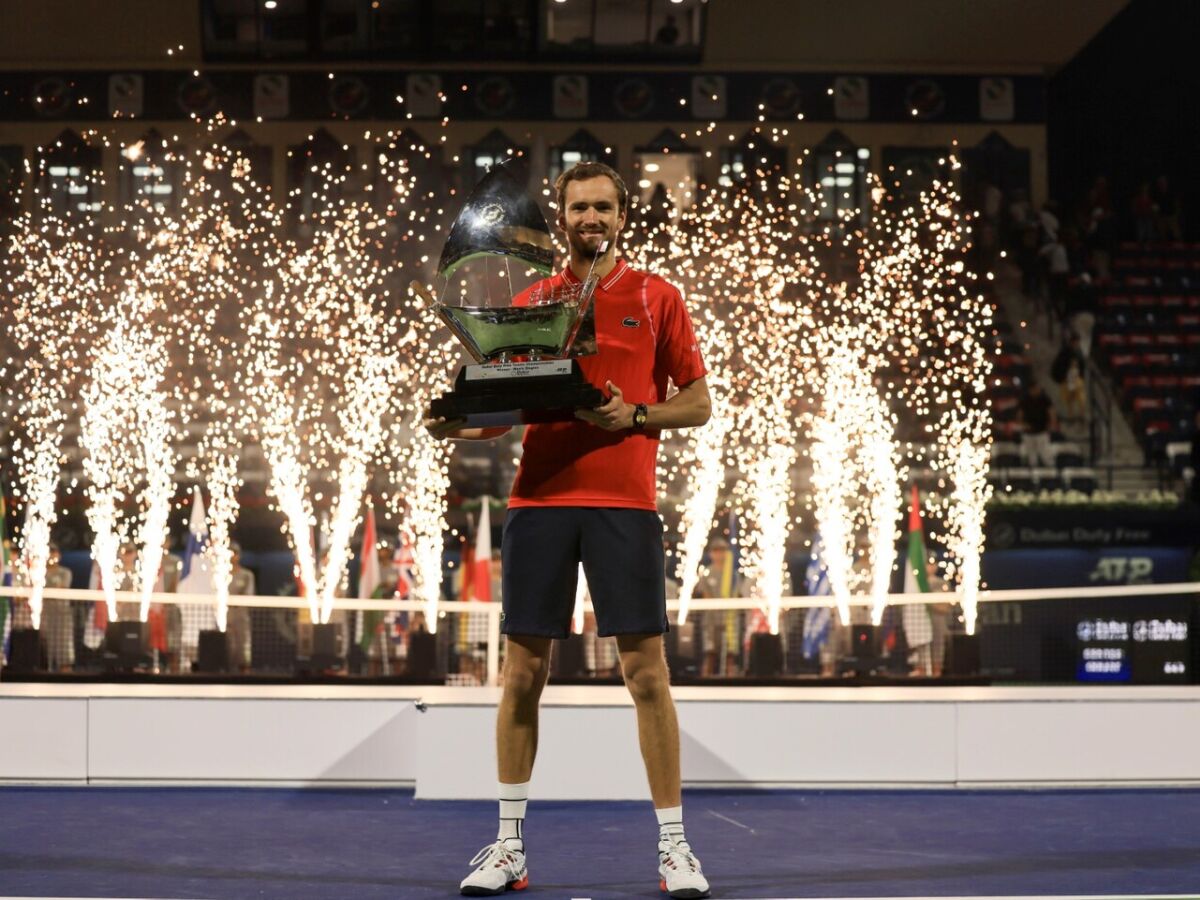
point(56, 279)
point(126, 430)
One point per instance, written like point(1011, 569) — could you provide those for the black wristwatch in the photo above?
point(639, 416)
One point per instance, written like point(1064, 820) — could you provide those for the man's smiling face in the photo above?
point(591, 215)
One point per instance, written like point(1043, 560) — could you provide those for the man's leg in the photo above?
point(501, 865)
point(644, 666)
point(526, 667)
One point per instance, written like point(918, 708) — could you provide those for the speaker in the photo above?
point(325, 646)
point(682, 650)
point(126, 641)
point(964, 655)
point(24, 651)
point(212, 652)
point(422, 655)
point(766, 656)
point(862, 641)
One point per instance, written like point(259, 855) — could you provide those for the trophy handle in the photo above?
point(587, 289)
point(419, 288)
point(455, 328)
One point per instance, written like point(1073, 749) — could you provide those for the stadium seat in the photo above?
point(1021, 479)
point(1080, 479)
point(1178, 456)
point(1005, 455)
point(1047, 479)
point(1067, 454)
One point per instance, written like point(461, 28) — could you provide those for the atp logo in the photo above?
point(1122, 570)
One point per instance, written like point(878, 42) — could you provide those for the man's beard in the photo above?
point(585, 250)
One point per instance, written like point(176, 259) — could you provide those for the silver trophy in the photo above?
point(525, 366)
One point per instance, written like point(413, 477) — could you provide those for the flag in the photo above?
point(6, 603)
point(481, 558)
point(466, 561)
point(915, 578)
point(368, 559)
point(818, 619)
point(728, 584)
point(918, 627)
point(195, 577)
point(369, 579)
point(402, 562)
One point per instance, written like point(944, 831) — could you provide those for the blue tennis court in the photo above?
point(242, 843)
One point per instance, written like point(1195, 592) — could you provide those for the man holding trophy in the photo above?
point(585, 489)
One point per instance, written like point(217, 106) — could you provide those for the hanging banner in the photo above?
point(125, 93)
point(997, 100)
point(271, 96)
point(570, 96)
point(423, 95)
point(709, 97)
point(851, 98)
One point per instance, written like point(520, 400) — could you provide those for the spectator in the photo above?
point(1166, 210)
point(1058, 273)
point(128, 556)
point(1195, 491)
point(1141, 207)
point(237, 626)
point(1081, 311)
point(1099, 199)
point(939, 615)
point(58, 629)
point(1020, 211)
point(1037, 419)
point(1048, 220)
point(668, 33)
point(1067, 371)
point(1027, 260)
point(720, 644)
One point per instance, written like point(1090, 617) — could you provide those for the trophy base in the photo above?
point(517, 393)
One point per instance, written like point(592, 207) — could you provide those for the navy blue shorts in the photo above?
point(622, 555)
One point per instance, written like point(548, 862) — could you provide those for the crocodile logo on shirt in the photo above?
point(630, 322)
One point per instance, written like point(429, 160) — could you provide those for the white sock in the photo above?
point(670, 824)
point(513, 798)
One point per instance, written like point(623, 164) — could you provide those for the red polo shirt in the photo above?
point(644, 337)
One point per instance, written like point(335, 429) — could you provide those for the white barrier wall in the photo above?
point(365, 736)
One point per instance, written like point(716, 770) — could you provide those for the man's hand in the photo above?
point(441, 427)
point(615, 415)
point(453, 428)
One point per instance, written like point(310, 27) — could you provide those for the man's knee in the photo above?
point(647, 680)
point(526, 668)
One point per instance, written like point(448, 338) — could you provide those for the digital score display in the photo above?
point(1140, 651)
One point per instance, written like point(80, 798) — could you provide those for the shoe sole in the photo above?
point(683, 893)
point(472, 891)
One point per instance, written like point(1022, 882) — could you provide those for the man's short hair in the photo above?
point(585, 170)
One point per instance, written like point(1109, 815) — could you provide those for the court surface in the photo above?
point(242, 843)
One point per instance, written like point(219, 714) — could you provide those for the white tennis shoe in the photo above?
point(500, 868)
point(679, 872)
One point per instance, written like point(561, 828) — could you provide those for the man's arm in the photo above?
point(690, 407)
point(452, 429)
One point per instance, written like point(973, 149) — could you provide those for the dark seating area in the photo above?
point(1148, 339)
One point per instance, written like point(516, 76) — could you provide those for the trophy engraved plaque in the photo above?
point(526, 368)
